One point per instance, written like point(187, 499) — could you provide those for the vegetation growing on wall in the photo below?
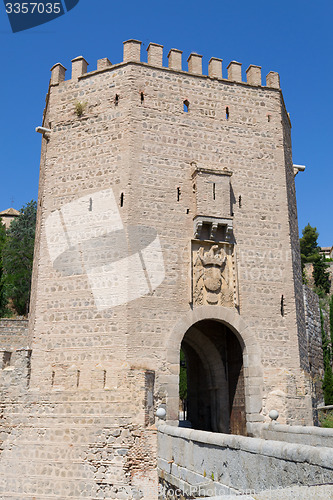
point(328, 382)
point(327, 420)
point(80, 108)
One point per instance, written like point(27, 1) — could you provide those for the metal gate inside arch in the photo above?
point(215, 380)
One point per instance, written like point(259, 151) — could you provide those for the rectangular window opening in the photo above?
point(6, 359)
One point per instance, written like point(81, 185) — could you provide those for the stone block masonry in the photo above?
point(13, 334)
point(91, 442)
point(166, 208)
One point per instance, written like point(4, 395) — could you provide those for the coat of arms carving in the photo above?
point(214, 274)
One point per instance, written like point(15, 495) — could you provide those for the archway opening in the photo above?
point(212, 357)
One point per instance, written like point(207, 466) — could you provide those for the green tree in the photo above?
point(320, 274)
point(310, 253)
point(18, 256)
point(308, 244)
point(328, 386)
point(3, 295)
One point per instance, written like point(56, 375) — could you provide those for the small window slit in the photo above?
point(282, 305)
point(227, 113)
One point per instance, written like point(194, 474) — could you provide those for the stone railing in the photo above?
point(306, 435)
point(202, 464)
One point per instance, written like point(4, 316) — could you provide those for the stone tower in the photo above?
point(167, 221)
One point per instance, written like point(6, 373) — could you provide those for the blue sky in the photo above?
point(292, 37)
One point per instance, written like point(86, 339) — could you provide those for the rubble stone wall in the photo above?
point(314, 343)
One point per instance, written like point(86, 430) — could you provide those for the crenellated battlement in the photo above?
point(132, 54)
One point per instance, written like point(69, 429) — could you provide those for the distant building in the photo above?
point(327, 252)
point(7, 216)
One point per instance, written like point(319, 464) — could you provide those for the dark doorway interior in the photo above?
point(215, 380)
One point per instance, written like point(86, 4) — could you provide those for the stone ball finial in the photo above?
point(273, 415)
point(161, 413)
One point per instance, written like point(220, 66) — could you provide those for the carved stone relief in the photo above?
point(214, 277)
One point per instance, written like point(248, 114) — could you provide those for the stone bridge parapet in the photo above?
point(202, 464)
point(300, 434)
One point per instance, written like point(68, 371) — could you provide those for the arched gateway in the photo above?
point(223, 368)
point(215, 378)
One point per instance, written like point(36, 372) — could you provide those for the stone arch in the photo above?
point(206, 372)
point(253, 372)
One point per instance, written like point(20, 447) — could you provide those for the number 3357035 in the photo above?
point(33, 8)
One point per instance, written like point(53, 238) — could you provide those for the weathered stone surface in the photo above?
point(314, 345)
point(308, 435)
point(201, 462)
